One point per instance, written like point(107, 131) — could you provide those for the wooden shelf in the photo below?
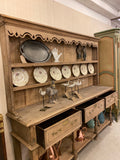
point(30, 147)
point(66, 149)
point(17, 65)
point(62, 105)
point(48, 83)
point(89, 135)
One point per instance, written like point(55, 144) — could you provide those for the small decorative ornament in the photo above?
point(78, 83)
point(84, 53)
point(101, 117)
point(83, 69)
point(55, 73)
point(52, 92)
point(91, 123)
point(65, 85)
point(66, 71)
point(71, 86)
point(56, 55)
point(76, 70)
point(20, 77)
point(43, 93)
point(80, 135)
point(40, 75)
point(79, 51)
point(91, 68)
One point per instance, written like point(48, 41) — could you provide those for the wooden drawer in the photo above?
point(91, 109)
point(110, 98)
point(56, 128)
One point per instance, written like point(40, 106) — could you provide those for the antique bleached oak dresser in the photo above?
point(39, 130)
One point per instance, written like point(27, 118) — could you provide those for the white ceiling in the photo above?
point(113, 3)
point(108, 8)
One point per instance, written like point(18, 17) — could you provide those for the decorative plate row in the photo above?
point(20, 76)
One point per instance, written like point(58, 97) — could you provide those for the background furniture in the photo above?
point(38, 130)
point(109, 50)
point(3, 155)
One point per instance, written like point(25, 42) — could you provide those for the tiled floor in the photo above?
point(106, 147)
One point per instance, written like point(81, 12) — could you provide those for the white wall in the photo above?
point(76, 5)
point(50, 13)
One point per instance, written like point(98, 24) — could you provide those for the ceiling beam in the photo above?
point(100, 7)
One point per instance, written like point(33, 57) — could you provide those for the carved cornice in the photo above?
point(47, 37)
point(20, 28)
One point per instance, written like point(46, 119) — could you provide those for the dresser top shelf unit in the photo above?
point(25, 103)
point(61, 105)
point(14, 32)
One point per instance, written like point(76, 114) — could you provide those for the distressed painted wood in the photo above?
point(109, 46)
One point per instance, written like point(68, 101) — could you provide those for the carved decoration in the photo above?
point(1, 21)
point(48, 36)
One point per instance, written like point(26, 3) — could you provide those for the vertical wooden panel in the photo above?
point(106, 50)
point(14, 50)
point(34, 155)
point(19, 99)
point(69, 53)
point(33, 135)
point(88, 53)
point(4, 40)
point(94, 54)
point(17, 149)
point(90, 81)
point(32, 96)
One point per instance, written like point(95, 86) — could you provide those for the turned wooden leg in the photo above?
point(96, 126)
point(34, 155)
point(110, 115)
point(117, 113)
point(73, 146)
point(17, 149)
point(47, 155)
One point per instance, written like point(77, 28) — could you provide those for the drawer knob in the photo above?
point(59, 130)
point(54, 133)
point(65, 122)
point(75, 120)
point(95, 105)
point(72, 123)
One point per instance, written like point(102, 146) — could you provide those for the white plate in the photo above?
point(83, 69)
point(91, 68)
point(76, 70)
point(40, 75)
point(66, 71)
point(20, 77)
point(55, 73)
